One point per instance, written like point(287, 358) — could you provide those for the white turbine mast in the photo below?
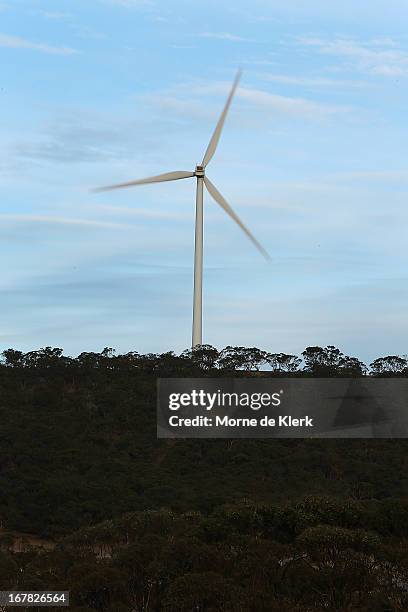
point(202, 180)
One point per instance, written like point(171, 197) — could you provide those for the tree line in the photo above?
point(314, 361)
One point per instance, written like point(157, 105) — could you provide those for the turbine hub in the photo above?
point(199, 171)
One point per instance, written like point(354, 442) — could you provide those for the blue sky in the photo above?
point(312, 157)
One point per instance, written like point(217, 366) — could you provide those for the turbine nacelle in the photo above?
point(199, 171)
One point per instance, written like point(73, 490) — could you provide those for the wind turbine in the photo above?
point(202, 180)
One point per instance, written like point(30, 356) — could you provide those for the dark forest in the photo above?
point(92, 502)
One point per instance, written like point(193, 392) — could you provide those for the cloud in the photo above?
point(225, 36)
point(55, 15)
point(259, 62)
point(82, 136)
point(370, 57)
point(388, 176)
point(289, 105)
point(15, 42)
point(182, 100)
point(128, 3)
point(49, 220)
point(145, 213)
point(181, 106)
point(312, 81)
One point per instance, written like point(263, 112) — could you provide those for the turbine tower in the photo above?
point(202, 180)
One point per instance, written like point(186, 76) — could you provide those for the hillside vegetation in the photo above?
point(193, 524)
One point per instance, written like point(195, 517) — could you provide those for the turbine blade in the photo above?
point(160, 178)
point(218, 129)
point(224, 204)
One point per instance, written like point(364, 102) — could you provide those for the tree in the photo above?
point(329, 541)
point(392, 365)
point(13, 358)
point(322, 361)
point(88, 361)
point(351, 366)
point(204, 356)
point(330, 361)
point(241, 358)
point(280, 362)
point(47, 357)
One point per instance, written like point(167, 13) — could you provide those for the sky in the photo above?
point(312, 158)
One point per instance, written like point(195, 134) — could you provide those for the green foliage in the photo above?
point(392, 365)
point(142, 524)
point(79, 445)
point(335, 539)
point(166, 562)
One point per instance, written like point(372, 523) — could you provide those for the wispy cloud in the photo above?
point(80, 136)
point(289, 105)
point(225, 36)
point(15, 42)
point(145, 213)
point(128, 3)
point(378, 56)
point(183, 46)
point(188, 100)
point(179, 105)
point(57, 15)
point(50, 220)
point(389, 176)
point(312, 81)
point(259, 62)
